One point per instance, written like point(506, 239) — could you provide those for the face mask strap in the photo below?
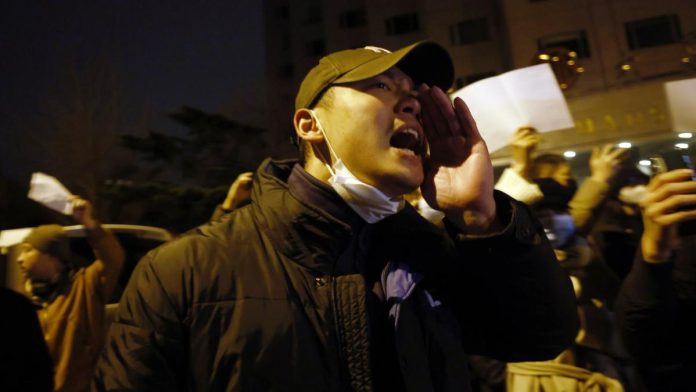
point(327, 163)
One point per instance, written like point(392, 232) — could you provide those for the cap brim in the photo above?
point(425, 62)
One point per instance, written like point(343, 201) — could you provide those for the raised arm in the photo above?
point(108, 250)
point(513, 299)
point(515, 180)
point(459, 173)
point(656, 303)
point(605, 167)
point(517, 303)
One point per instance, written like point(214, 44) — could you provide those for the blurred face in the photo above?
point(374, 126)
point(38, 266)
point(563, 175)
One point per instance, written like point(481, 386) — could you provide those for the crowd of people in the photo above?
point(386, 258)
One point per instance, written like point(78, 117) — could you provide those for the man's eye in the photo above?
point(382, 85)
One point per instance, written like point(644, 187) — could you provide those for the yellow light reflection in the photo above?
point(544, 57)
point(571, 62)
point(580, 70)
point(555, 58)
point(572, 54)
point(626, 67)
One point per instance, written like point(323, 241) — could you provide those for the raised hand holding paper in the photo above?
point(524, 97)
point(48, 191)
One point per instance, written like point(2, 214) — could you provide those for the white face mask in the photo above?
point(366, 200)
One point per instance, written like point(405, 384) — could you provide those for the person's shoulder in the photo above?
point(207, 244)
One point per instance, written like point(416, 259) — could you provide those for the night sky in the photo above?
point(165, 54)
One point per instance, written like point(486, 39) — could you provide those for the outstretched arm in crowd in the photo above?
point(109, 252)
point(238, 193)
point(509, 278)
point(459, 173)
point(606, 163)
point(655, 307)
point(515, 180)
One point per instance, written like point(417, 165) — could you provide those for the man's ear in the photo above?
point(306, 126)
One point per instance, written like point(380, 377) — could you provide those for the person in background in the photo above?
point(619, 226)
point(527, 174)
point(568, 214)
point(329, 280)
point(71, 300)
point(25, 364)
point(656, 306)
point(238, 195)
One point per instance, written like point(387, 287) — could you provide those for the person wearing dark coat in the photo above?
point(25, 364)
point(328, 280)
point(656, 306)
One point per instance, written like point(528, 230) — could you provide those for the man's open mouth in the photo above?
point(408, 139)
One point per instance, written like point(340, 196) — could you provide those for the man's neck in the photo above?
point(317, 169)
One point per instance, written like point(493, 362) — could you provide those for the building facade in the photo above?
point(611, 56)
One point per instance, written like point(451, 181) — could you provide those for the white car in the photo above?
point(136, 241)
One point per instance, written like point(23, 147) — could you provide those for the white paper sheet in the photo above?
point(681, 99)
point(48, 191)
point(527, 96)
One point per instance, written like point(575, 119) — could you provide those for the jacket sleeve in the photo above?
point(110, 258)
point(514, 302)
point(656, 308)
point(586, 203)
point(146, 348)
point(518, 187)
point(645, 309)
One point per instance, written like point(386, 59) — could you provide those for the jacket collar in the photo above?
point(305, 218)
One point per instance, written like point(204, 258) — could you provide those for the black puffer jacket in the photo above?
point(276, 298)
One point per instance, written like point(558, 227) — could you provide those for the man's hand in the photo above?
point(239, 191)
point(459, 174)
point(663, 210)
point(606, 163)
point(82, 212)
point(523, 143)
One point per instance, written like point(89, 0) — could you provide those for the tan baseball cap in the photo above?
point(50, 239)
point(425, 62)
